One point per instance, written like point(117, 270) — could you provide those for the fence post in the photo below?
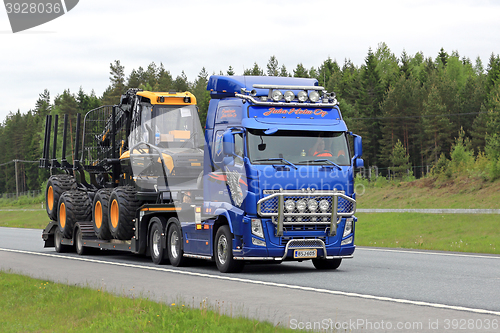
point(17, 181)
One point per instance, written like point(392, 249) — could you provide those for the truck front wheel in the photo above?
point(324, 264)
point(223, 252)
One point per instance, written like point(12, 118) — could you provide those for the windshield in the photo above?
point(169, 127)
point(298, 147)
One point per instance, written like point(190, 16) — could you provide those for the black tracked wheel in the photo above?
point(56, 186)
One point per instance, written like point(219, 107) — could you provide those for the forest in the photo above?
point(417, 114)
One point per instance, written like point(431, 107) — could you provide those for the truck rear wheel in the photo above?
point(100, 211)
point(122, 207)
point(174, 243)
point(324, 264)
point(56, 186)
point(74, 206)
point(159, 254)
point(223, 252)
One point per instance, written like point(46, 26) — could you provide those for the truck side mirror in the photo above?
point(358, 146)
point(228, 143)
point(357, 161)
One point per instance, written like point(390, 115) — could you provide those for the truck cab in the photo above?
point(279, 170)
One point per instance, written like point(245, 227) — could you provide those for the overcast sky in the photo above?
point(76, 49)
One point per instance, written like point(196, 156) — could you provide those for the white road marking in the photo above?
point(271, 284)
point(430, 253)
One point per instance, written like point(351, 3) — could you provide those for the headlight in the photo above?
point(324, 205)
point(257, 228)
point(314, 96)
point(290, 205)
point(348, 227)
point(276, 95)
point(312, 205)
point(289, 96)
point(301, 205)
point(302, 96)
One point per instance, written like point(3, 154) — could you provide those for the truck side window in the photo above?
point(217, 153)
point(238, 144)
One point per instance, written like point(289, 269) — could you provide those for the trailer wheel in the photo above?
point(122, 207)
point(74, 206)
point(56, 186)
point(174, 243)
point(80, 249)
point(100, 211)
point(60, 248)
point(159, 254)
point(324, 264)
point(223, 252)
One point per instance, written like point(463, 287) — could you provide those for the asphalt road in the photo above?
point(379, 290)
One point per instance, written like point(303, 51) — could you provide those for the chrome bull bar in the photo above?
point(273, 206)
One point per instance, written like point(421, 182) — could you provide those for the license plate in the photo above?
point(309, 253)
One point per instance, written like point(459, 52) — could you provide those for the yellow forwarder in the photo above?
point(140, 156)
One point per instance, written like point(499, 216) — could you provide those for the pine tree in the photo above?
point(117, 88)
point(272, 67)
point(437, 126)
point(371, 94)
point(300, 71)
point(399, 160)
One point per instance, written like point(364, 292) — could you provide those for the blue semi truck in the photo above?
point(271, 178)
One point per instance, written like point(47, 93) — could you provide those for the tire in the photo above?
point(60, 248)
point(100, 213)
point(122, 207)
point(158, 253)
point(80, 249)
point(73, 206)
point(324, 264)
point(174, 243)
point(223, 252)
point(56, 186)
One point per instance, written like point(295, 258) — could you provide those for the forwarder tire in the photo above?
point(100, 214)
point(73, 206)
point(56, 186)
point(223, 252)
point(122, 207)
point(324, 264)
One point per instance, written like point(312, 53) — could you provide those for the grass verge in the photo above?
point(32, 305)
point(444, 232)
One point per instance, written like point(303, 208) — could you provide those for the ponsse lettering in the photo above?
point(317, 112)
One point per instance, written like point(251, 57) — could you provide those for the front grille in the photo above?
point(275, 204)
